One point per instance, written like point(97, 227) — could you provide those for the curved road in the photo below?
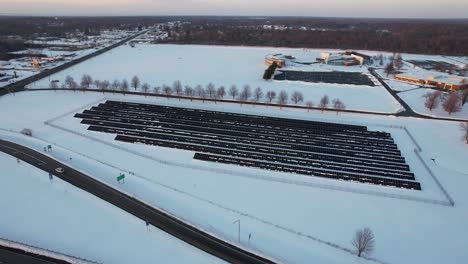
point(157, 218)
point(409, 112)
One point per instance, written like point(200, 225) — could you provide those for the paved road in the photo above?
point(159, 219)
point(408, 110)
point(14, 256)
point(19, 85)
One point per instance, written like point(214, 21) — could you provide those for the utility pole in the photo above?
point(238, 229)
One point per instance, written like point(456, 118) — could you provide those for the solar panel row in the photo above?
point(384, 169)
point(335, 151)
point(388, 146)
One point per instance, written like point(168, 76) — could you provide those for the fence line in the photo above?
point(44, 252)
point(218, 205)
point(413, 139)
point(256, 176)
point(447, 195)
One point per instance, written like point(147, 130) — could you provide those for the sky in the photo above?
point(320, 8)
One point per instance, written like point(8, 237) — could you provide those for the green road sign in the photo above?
point(121, 177)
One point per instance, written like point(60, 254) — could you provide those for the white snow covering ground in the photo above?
point(24, 69)
point(416, 101)
point(413, 95)
point(291, 218)
point(56, 216)
point(193, 65)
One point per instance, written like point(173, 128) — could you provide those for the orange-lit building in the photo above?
point(441, 81)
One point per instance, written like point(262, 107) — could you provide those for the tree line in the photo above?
point(447, 37)
point(244, 94)
point(452, 102)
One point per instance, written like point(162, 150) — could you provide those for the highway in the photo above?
point(14, 256)
point(21, 84)
point(155, 217)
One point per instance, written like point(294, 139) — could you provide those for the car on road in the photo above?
point(59, 170)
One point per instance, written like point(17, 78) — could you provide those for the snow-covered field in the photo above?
point(413, 95)
point(416, 101)
point(289, 217)
point(194, 65)
point(56, 216)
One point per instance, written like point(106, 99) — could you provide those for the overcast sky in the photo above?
point(328, 8)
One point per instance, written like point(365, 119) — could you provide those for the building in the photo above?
point(280, 59)
point(339, 59)
point(361, 57)
point(443, 81)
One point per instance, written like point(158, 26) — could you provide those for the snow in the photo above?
point(291, 217)
point(56, 216)
point(193, 65)
point(23, 67)
point(416, 100)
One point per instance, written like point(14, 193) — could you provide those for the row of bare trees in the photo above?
point(209, 91)
point(451, 102)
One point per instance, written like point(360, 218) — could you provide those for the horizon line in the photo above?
point(244, 16)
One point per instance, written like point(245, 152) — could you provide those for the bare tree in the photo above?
point(135, 82)
point(199, 91)
point(452, 104)
point(211, 90)
point(271, 95)
point(167, 90)
point(363, 241)
point(69, 81)
point(157, 90)
point(124, 86)
point(97, 84)
point(297, 97)
point(104, 85)
point(177, 87)
point(86, 81)
point(282, 98)
point(145, 87)
point(464, 129)
point(188, 91)
point(115, 84)
point(432, 100)
point(338, 105)
point(309, 105)
point(324, 101)
point(245, 93)
point(389, 69)
point(73, 85)
point(398, 61)
point(258, 94)
point(53, 85)
point(221, 92)
point(233, 92)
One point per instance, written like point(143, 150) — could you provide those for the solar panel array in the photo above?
point(356, 78)
point(328, 150)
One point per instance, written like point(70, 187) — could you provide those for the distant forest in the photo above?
point(447, 37)
point(424, 36)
